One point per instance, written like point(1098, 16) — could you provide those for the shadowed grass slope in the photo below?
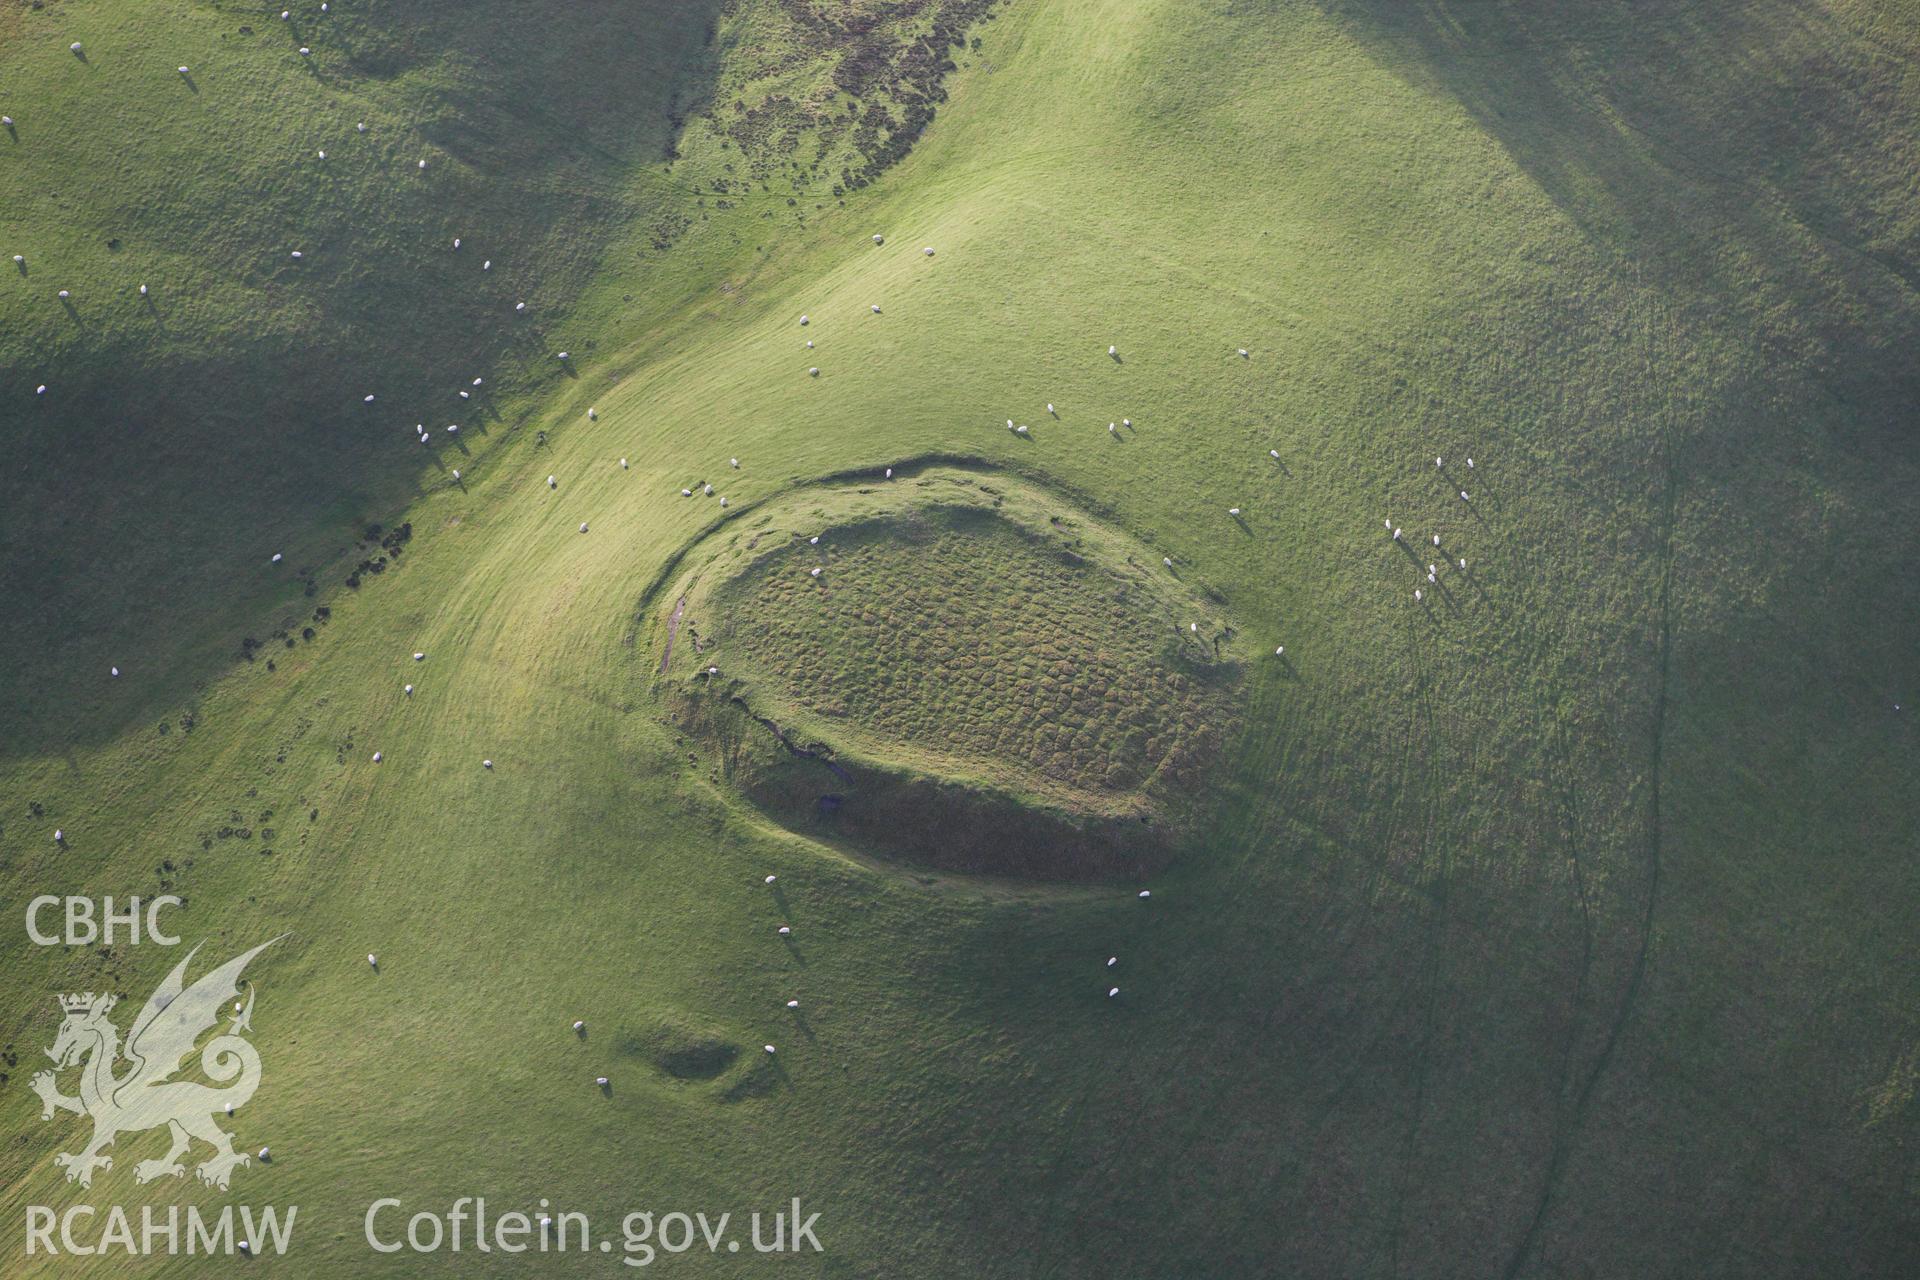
point(189, 434)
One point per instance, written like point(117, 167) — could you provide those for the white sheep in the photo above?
point(376, 757)
point(579, 1025)
point(793, 1004)
point(876, 239)
point(552, 483)
point(583, 526)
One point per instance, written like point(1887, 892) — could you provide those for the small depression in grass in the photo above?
point(980, 677)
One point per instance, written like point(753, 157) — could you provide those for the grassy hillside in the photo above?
point(188, 435)
point(1556, 923)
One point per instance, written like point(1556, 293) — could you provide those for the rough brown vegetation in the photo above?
point(876, 72)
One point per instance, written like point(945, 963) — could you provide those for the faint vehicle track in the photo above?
point(1557, 1161)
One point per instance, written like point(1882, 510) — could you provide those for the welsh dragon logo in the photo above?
point(143, 1095)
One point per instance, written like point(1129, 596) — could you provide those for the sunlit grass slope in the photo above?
point(1558, 923)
